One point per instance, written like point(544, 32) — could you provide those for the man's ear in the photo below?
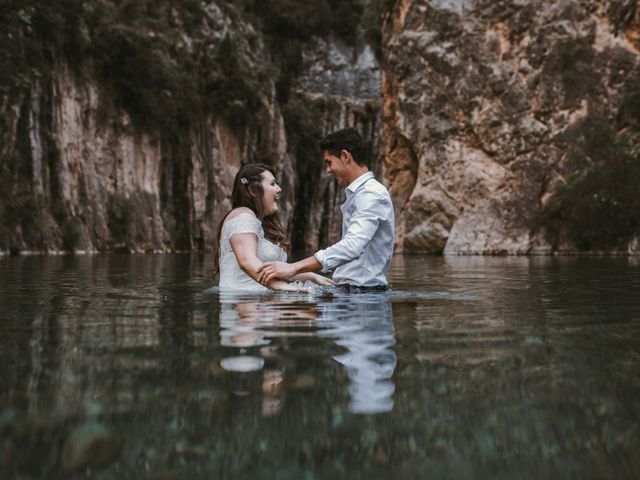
point(346, 156)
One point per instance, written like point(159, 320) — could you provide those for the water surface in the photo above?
point(470, 367)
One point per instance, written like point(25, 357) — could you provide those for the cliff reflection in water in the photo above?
point(361, 325)
point(473, 367)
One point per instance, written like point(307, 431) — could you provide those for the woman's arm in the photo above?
point(245, 246)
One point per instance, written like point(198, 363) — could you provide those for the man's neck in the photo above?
point(357, 173)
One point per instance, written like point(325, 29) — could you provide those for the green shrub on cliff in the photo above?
point(19, 208)
point(155, 58)
point(572, 61)
point(136, 48)
point(598, 205)
point(302, 20)
point(120, 214)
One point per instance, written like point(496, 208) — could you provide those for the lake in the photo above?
point(127, 366)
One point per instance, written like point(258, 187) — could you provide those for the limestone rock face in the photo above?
point(117, 187)
point(339, 87)
point(482, 100)
point(96, 166)
point(334, 68)
point(98, 182)
point(471, 115)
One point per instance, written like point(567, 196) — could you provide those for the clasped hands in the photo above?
point(287, 271)
point(270, 270)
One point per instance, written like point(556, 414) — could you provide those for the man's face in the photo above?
point(337, 167)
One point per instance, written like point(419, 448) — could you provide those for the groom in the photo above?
point(361, 258)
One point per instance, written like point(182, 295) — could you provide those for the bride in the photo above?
point(251, 234)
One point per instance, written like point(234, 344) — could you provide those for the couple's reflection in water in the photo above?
point(359, 327)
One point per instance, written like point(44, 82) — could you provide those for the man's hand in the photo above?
point(270, 270)
point(324, 281)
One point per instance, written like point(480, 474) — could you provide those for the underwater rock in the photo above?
point(90, 445)
point(186, 449)
point(169, 475)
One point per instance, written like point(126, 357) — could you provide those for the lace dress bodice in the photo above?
point(231, 275)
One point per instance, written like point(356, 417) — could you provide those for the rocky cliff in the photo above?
point(97, 157)
point(499, 126)
point(485, 104)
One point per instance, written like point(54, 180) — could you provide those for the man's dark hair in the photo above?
point(348, 139)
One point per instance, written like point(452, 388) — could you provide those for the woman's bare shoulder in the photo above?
point(239, 211)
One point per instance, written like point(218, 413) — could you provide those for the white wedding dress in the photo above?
point(232, 278)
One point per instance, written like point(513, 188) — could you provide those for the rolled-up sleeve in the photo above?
point(370, 210)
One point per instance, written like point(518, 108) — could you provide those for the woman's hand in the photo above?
point(315, 278)
point(286, 287)
point(320, 280)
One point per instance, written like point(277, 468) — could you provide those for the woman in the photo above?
point(251, 234)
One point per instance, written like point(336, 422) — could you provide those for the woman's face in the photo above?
point(271, 193)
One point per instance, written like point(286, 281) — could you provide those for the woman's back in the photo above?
point(232, 277)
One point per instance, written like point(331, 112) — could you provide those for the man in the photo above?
point(361, 258)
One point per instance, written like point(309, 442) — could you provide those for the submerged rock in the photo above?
point(90, 445)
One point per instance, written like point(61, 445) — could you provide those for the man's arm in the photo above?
point(271, 270)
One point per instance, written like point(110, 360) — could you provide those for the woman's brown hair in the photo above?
point(248, 192)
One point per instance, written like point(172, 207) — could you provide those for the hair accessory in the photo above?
point(244, 180)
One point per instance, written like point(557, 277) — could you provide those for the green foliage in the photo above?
point(621, 14)
point(68, 226)
point(599, 204)
point(119, 216)
point(70, 236)
point(303, 20)
point(303, 117)
point(139, 51)
point(371, 24)
point(233, 85)
point(345, 18)
point(287, 23)
point(23, 209)
point(630, 109)
point(573, 60)
point(149, 83)
point(19, 207)
point(139, 56)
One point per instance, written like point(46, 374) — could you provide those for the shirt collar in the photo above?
point(357, 183)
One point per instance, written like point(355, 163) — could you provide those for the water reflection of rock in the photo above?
point(362, 325)
point(94, 333)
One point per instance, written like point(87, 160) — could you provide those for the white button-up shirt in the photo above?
point(362, 257)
